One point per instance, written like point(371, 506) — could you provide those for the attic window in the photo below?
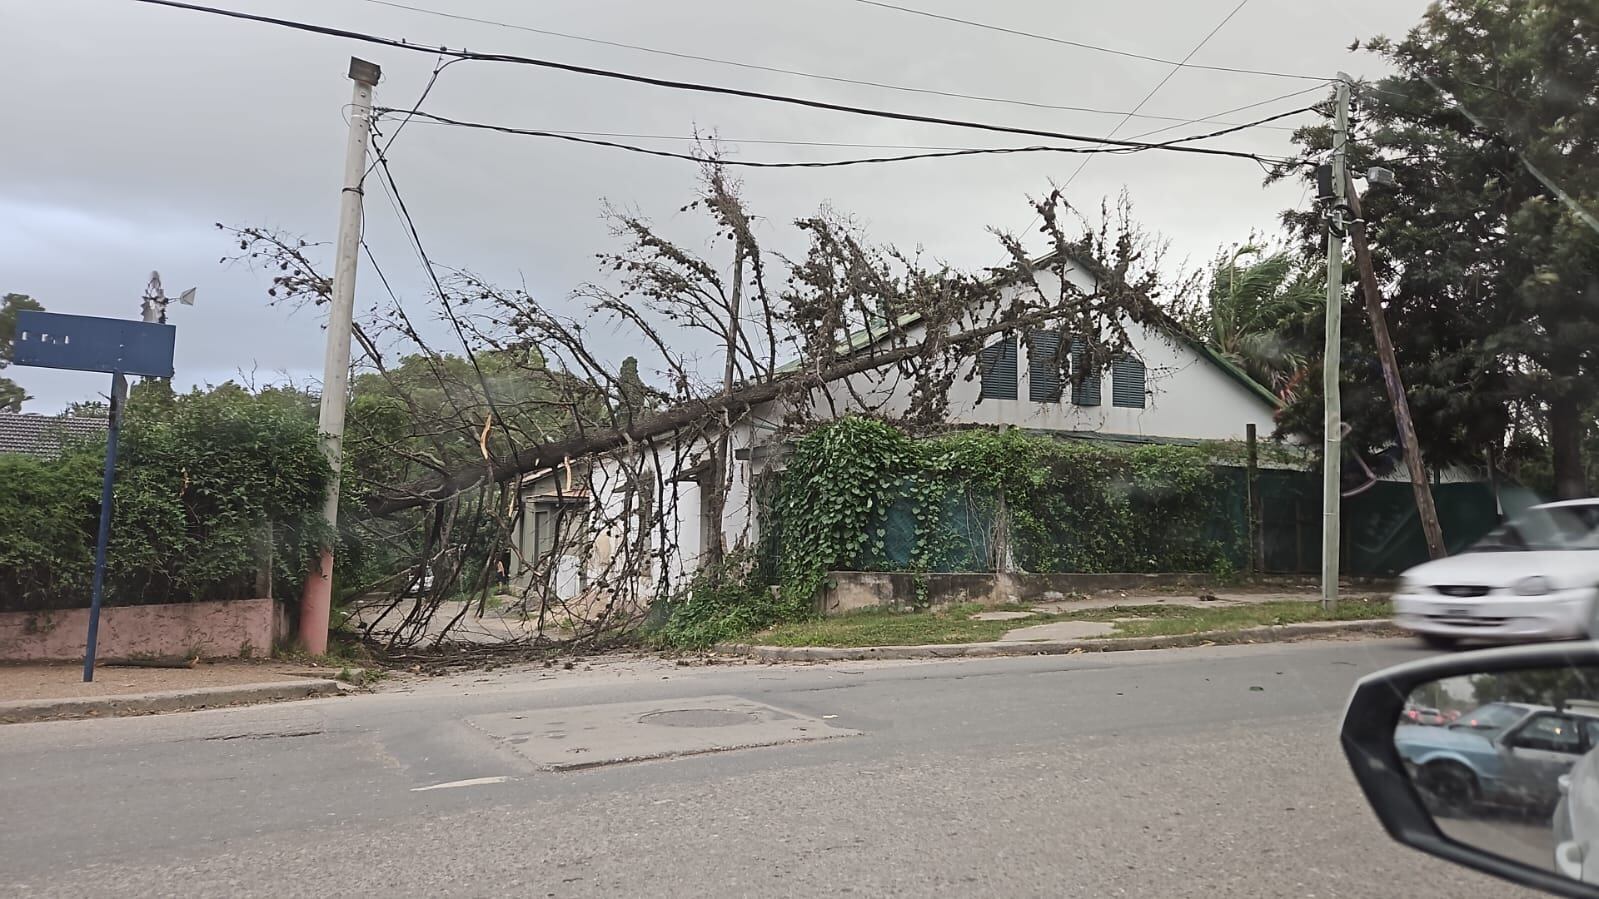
point(1128, 383)
point(1085, 389)
point(997, 363)
point(1043, 367)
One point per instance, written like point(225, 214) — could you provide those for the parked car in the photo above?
point(1517, 765)
point(1552, 750)
point(1424, 716)
point(1534, 578)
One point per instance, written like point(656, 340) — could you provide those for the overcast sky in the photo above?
point(131, 129)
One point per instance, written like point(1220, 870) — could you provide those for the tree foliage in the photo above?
point(1491, 278)
point(212, 487)
point(12, 396)
point(1262, 310)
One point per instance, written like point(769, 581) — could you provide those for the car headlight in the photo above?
point(1536, 585)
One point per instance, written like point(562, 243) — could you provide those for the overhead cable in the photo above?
point(683, 85)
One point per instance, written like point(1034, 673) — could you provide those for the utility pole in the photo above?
point(1332, 439)
point(1425, 509)
point(316, 603)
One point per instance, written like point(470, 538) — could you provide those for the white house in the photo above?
point(1167, 386)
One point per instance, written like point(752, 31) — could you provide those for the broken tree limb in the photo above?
point(732, 404)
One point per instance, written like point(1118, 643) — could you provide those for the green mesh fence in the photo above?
point(1119, 527)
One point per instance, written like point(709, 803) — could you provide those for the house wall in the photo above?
point(1187, 395)
point(214, 629)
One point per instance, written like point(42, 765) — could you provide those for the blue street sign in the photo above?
point(90, 343)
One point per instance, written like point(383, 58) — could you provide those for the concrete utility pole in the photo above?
point(316, 602)
point(1391, 380)
point(1332, 440)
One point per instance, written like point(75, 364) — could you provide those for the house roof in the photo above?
point(45, 435)
point(868, 336)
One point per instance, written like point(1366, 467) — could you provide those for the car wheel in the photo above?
point(1439, 641)
point(1449, 788)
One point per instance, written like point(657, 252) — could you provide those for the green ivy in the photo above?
point(859, 494)
point(1070, 506)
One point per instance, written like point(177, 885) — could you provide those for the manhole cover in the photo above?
point(698, 718)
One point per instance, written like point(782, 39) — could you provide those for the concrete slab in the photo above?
point(1001, 616)
point(1060, 630)
point(571, 739)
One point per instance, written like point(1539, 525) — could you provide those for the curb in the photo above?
point(1266, 634)
point(25, 710)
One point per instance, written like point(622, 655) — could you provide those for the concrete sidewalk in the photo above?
point(1268, 634)
point(43, 691)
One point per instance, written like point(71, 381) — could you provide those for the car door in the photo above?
point(1536, 753)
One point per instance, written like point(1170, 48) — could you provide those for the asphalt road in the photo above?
point(1199, 772)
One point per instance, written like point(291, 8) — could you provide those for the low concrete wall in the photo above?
point(214, 629)
point(849, 590)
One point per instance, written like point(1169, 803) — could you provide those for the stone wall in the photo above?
point(241, 627)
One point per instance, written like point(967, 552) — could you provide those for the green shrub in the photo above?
point(202, 480)
point(723, 603)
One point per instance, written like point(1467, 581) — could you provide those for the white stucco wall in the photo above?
point(1188, 396)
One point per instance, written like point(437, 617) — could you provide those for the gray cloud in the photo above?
point(132, 129)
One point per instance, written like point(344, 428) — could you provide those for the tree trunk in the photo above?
point(438, 488)
point(1565, 443)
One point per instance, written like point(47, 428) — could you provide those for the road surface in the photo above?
point(1196, 772)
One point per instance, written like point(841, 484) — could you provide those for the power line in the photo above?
point(1213, 117)
point(1176, 67)
point(544, 32)
point(684, 85)
point(1084, 46)
point(393, 190)
point(835, 163)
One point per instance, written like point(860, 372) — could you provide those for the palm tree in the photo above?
point(1263, 313)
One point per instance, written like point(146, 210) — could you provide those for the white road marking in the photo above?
point(472, 782)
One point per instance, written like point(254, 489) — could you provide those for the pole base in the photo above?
point(316, 606)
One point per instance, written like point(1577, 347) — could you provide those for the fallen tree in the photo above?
point(631, 430)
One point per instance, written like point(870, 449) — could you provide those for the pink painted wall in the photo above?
point(216, 629)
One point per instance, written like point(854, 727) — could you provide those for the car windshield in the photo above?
point(1546, 528)
point(1488, 719)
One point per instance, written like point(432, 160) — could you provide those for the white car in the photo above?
point(1535, 578)
point(1576, 821)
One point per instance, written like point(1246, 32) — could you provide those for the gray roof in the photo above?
point(45, 435)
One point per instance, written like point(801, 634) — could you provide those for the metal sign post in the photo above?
point(119, 395)
point(85, 343)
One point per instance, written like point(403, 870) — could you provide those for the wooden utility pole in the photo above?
point(1391, 380)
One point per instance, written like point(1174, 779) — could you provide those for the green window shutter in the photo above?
point(998, 367)
point(1043, 367)
point(1128, 388)
point(1085, 389)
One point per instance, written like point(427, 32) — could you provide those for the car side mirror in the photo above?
point(1533, 821)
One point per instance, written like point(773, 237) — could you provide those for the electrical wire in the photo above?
point(755, 67)
point(1176, 67)
point(835, 163)
point(681, 85)
point(1084, 46)
point(444, 300)
point(1209, 118)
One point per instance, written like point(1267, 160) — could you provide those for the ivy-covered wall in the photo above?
point(859, 494)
